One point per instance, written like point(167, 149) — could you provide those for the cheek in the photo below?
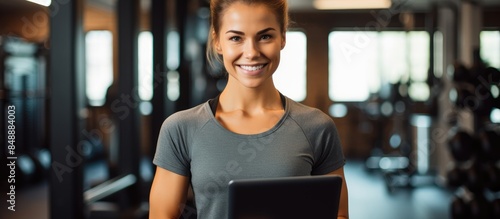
point(229, 57)
point(273, 52)
point(229, 54)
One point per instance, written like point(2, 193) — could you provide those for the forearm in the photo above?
point(343, 211)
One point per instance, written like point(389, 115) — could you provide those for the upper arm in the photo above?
point(168, 194)
point(343, 204)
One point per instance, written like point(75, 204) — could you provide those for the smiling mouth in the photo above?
point(252, 67)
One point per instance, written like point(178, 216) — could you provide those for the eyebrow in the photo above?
point(258, 33)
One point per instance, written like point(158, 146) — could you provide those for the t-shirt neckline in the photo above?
point(211, 107)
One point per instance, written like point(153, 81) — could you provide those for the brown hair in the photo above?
point(217, 9)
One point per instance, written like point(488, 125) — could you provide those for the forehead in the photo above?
point(247, 16)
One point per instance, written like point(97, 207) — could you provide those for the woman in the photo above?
point(250, 130)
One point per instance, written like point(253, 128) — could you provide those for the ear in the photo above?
point(283, 40)
point(216, 43)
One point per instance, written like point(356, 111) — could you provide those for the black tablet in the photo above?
point(285, 197)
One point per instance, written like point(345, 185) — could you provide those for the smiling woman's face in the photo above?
point(250, 41)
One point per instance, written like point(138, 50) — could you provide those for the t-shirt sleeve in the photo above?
point(172, 147)
point(327, 147)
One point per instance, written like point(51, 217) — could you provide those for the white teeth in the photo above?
point(251, 68)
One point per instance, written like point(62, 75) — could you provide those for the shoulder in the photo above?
point(308, 116)
point(188, 119)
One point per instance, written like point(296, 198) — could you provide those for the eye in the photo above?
point(266, 37)
point(235, 38)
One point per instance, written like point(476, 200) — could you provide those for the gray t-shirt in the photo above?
point(193, 143)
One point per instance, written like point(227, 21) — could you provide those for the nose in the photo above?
point(251, 50)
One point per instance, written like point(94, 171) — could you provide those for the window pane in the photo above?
point(394, 60)
point(99, 65)
point(490, 48)
point(145, 65)
point(361, 62)
point(418, 54)
point(419, 64)
point(438, 54)
point(290, 77)
point(353, 65)
point(173, 49)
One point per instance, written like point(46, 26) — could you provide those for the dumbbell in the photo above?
point(25, 170)
point(475, 97)
point(476, 178)
point(490, 75)
point(485, 79)
point(462, 146)
point(462, 74)
point(459, 209)
point(485, 100)
point(492, 173)
point(480, 207)
point(495, 208)
point(29, 169)
point(455, 177)
point(489, 142)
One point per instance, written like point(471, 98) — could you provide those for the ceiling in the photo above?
point(300, 5)
point(295, 5)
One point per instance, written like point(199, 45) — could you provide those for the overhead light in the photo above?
point(351, 4)
point(45, 3)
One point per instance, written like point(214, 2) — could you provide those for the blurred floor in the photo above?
point(368, 198)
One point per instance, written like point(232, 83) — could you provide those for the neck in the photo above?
point(249, 99)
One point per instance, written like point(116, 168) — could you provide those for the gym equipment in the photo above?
point(484, 100)
point(476, 178)
point(489, 141)
point(463, 98)
point(479, 207)
point(22, 66)
point(492, 173)
point(462, 146)
point(473, 87)
point(476, 153)
point(459, 209)
point(43, 157)
point(29, 169)
point(491, 75)
point(461, 74)
point(478, 99)
point(495, 208)
point(455, 177)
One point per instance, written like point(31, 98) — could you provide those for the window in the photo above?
point(290, 77)
point(361, 62)
point(490, 47)
point(99, 65)
point(145, 66)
